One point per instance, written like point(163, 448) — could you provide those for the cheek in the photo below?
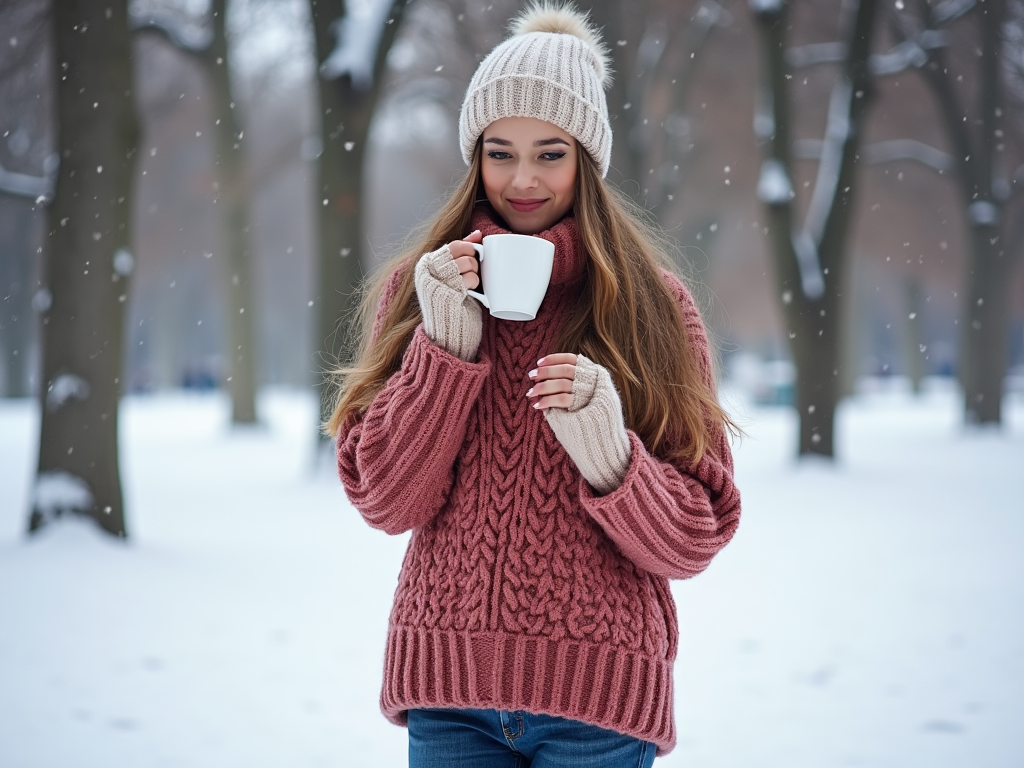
point(493, 178)
point(564, 184)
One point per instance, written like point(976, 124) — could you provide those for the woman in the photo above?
point(554, 473)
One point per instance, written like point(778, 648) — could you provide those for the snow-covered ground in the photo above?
point(867, 614)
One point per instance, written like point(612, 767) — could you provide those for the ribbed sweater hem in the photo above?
point(614, 688)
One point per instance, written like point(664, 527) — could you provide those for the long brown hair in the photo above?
point(628, 320)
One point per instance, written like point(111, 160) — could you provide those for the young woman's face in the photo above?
point(529, 172)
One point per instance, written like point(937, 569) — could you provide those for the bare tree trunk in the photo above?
point(87, 266)
point(810, 282)
point(985, 331)
point(236, 252)
point(985, 319)
point(347, 105)
point(17, 321)
point(233, 187)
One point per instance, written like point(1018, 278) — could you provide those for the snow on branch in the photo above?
point(812, 282)
point(64, 388)
point(774, 186)
point(765, 7)
point(182, 32)
point(357, 36)
point(837, 133)
point(830, 156)
point(708, 15)
point(983, 213)
point(904, 56)
point(908, 149)
point(816, 53)
point(885, 152)
point(38, 188)
point(950, 10)
point(907, 54)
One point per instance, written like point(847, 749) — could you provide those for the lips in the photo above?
point(524, 205)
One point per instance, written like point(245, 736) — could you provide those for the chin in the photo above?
point(526, 224)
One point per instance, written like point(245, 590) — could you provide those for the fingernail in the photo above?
point(541, 361)
point(532, 374)
point(530, 392)
point(536, 405)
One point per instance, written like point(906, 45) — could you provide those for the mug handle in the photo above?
point(476, 294)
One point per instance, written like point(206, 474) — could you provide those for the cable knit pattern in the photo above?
point(591, 429)
point(450, 317)
point(522, 588)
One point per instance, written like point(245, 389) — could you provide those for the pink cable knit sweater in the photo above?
point(521, 587)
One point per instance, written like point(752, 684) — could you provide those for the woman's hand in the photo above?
point(451, 319)
point(552, 381)
point(464, 256)
point(582, 407)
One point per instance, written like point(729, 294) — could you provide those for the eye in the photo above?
point(551, 156)
point(497, 154)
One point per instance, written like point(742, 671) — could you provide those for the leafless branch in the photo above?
point(949, 10)
point(38, 188)
point(886, 152)
point(906, 54)
point(816, 53)
point(182, 32)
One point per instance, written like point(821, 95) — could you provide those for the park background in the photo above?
point(191, 192)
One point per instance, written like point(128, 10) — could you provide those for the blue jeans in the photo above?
point(489, 738)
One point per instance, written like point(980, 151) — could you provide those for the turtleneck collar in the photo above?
point(570, 259)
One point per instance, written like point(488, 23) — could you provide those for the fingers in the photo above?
point(469, 268)
point(464, 246)
point(552, 381)
point(545, 372)
point(561, 358)
point(553, 401)
point(461, 249)
point(556, 393)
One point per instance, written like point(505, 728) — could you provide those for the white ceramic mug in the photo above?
point(515, 271)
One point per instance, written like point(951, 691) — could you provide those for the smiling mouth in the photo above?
point(525, 206)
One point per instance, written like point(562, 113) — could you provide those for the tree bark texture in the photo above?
point(987, 310)
point(87, 266)
point(985, 317)
point(18, 241)
point(236, 251)
point(813, 323)
point(346, 113)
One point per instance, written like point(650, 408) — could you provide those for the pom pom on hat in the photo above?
point(554, 67)
point(565, 20)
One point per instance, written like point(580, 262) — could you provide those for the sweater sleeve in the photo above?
point(396, 460)
point(669, 518)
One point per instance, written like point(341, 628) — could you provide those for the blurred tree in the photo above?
point(987, 186)
point(87, 266)
point(209, 44)
point(810, 260)
point(352, 45)
point(656, 49)
point(27, 176)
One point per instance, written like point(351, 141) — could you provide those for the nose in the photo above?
point(524, 177)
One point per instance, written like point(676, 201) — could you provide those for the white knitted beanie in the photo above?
point(554, 67)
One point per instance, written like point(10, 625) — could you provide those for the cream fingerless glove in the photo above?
point(592, 429)
point(451, 318)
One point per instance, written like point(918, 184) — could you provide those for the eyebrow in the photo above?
point(539, 143)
